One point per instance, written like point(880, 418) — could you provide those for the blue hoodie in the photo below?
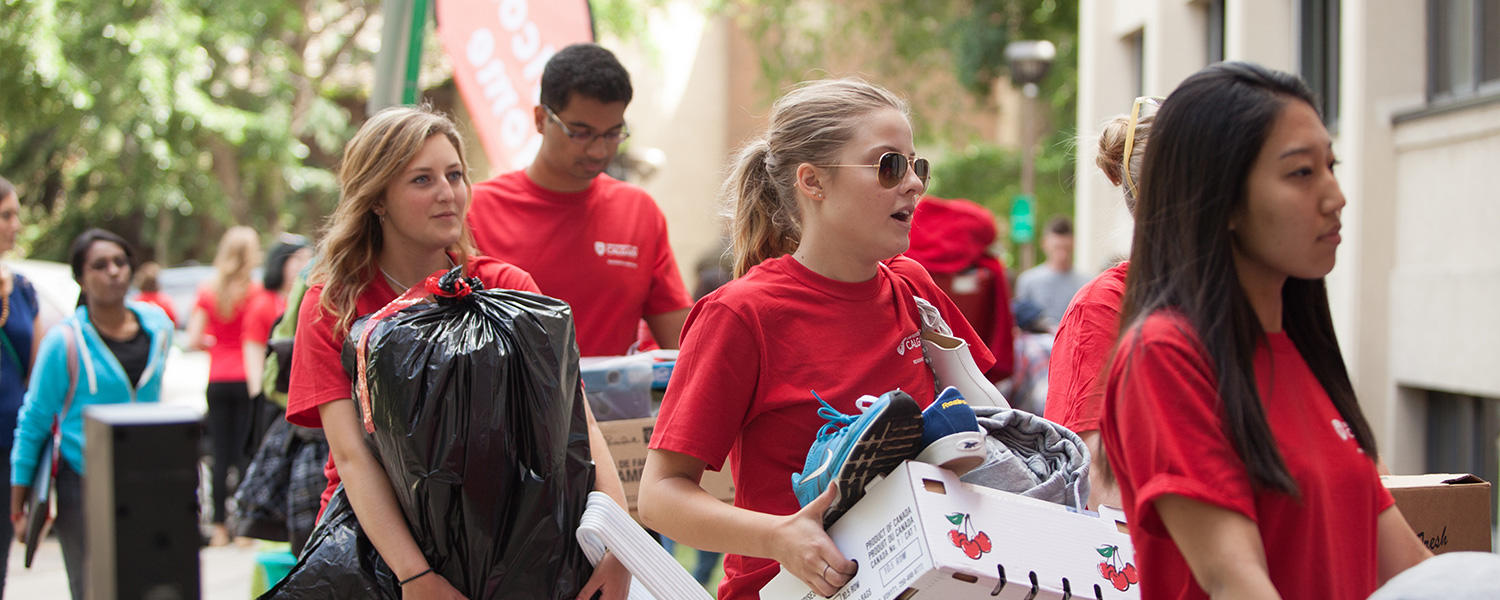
point(101, 380)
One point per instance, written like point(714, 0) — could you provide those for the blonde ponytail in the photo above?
point(810, 124)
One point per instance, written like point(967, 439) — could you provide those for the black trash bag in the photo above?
point(339, 562)
point(478, 419)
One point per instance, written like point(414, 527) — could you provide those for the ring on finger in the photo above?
point(825, 571)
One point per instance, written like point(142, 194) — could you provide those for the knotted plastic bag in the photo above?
point(473, 407)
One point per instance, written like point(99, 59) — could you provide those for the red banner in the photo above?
point(498, 49)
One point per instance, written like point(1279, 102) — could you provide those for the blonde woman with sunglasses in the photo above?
point(821, 204)
point(1086, 334)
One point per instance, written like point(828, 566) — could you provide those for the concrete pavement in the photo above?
point(225, 572)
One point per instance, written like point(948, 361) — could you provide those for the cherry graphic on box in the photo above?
point(974, 546)
point(1120, 577)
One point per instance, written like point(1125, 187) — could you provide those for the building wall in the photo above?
point(678, 120)
point(1420, 263)
point(1446, 271)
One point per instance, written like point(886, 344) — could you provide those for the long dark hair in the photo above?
point(1204, 142)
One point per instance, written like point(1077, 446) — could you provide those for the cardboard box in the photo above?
point(627, 443)
point(916, 536)
point(1449, 512)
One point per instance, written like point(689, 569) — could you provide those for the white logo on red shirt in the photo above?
point(1344, 431)
point(620, 255)
point(617, 250)
point(912, 342)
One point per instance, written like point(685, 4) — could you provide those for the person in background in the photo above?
point(118, 353)
point(1053, 283)
point(284, 262)
point(1027, 387)
point(951, 239)
point(596, 242)
point(150, 290)
point(822, 207)
point(217, 326)
point(19, 321)
point(1086, 335)
point(1245, 465)
point(404, 191)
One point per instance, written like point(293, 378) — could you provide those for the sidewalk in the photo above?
point(225, 572)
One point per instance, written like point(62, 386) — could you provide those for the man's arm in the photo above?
point(666, 328)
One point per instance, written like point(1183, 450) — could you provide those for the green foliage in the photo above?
point(624, 19)
point(167, 120)
point(990, 176)
point(901, 44)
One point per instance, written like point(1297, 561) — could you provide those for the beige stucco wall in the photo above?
point(1447, 268)
point(678, 115)
point(1382, 72)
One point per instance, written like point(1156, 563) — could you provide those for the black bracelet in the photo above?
point(414, 577)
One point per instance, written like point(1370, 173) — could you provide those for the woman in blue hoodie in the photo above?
point(108, 352)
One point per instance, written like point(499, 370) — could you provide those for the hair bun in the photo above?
point(1111, 158)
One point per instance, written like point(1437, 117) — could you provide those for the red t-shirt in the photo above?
point(226, 354)
point(1085, 337)
point(603, 250)
point(753, 350)
point(161, 300)
point(318, 370)
point(262, 314)
point(1163, 429)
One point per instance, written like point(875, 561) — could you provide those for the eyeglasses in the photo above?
point(584, 138)
point(892, 169)
point(1143, 107)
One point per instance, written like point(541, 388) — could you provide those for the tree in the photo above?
point(903, 44)
point(167, 120)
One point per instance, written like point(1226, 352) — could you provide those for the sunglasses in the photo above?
point(891, 169)
point(1142, 108)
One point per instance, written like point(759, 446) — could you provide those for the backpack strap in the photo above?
point(71, 339)
point(72, 335)
point(10, 350)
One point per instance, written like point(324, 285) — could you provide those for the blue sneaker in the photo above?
point(951, 435)
point(858, 450)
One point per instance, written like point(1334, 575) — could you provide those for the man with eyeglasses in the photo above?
point(587, 238)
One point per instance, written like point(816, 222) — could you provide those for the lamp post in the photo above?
point(1029, 61)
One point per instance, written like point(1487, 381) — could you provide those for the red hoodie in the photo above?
point(950, 237)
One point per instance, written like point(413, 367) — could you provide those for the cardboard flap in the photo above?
point(1429, 480)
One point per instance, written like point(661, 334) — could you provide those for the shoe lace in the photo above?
point(837, 422)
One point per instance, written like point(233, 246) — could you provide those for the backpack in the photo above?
point(276, 378)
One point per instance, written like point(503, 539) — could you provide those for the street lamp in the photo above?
point(1029, 61)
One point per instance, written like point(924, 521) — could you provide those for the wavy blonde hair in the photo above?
point(351, 240)
point(238, 255)
point(810, 124)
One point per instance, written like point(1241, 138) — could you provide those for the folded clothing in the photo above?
point(1031, 456)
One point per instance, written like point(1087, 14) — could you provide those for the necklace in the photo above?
point(400, 287)
point(393, 281)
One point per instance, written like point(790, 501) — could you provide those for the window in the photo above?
point(1463, 436)
point(1463, 47)
point(1136, 43)
point(1214, 19)
point(1318, 54)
